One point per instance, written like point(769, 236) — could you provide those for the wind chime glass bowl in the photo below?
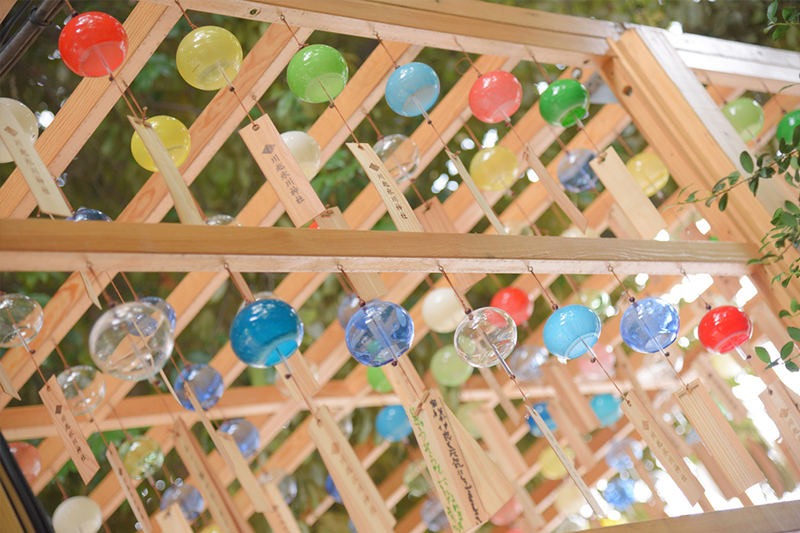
point(188, 499)
point(379, 333)
point(347, 308)
point(485, 336)
point(317, 73)
point(649, 325)
point(209, 57)
point(621, 454)
point(222, 220)
point(495, 96)
point(606, 407)
point(574, 171)
point(287, 485)
point(244, 433)
point(28, 459)
point(448, 369)
point(442, 310)
point(146, 324)
point(264, 331)
point(494, 168)
point(79, 514)
point(785, 131)
point(746, 116)
point(305, 150)
point(173, 135)
point(571, 330)
point(84, 388)
point(21, 318)
point(93, 44)
point(649, 172)
point(434, 515)
point(377, 380)
point(724, 328)
point(392, 423)
point(399, 154)
point(526, 361)
point(412, 89)
point(84, 214)
point(564, 102)
point(330, 488)
point(516, 302)
point(414, 478)
point(206, 384)
point(141, 456)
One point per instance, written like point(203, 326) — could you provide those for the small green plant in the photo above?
point(790, 15)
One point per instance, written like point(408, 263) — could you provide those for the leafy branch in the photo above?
point(790, 15)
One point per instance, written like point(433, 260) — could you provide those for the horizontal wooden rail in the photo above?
point(49, 245)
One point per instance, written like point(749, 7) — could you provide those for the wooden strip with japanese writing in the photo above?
point(644, 422)
point(282, 171)
point(68, 429)
point(783, 411)
point(128, 488)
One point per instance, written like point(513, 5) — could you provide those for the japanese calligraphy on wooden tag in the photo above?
point(128, 488)
point(216, 496)
point(6, 384)
point(282, 171)
point(31, 166)
point(396, 204)
point(559, 451)
point(434, 219)
point(647, 426)
point(359, 493)
point(68, 429)
point(172, 520)
point(243, 473)
point(185, 205)
point(639, 210)
point(299, 380)
point(369, 285)
point(476, 193)
point(718, 436)
point(783, 411)
point(575, 405)
point(278, 515)
point(90, 292)
point(554, 190)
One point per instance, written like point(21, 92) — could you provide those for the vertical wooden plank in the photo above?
point(396, 203)
point(476, 193)
point(359, 493)
point(650, 430)
point(405, 381)
point(243, 473)
point(278, 515)
point(68, 429)
point(554, 190)
point(128, 488)
point(576, 405)
point(171, 520)
point(718, 436)
point(568, 430)
point(300, 381)
point(30, 165)
point(720, 389)
point(434, 219)
point(369, 285)
point(185, 205)
point(282, 171)
point(201, 414)
point(636, 206)
point(717, 473)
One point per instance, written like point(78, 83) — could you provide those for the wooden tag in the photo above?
point(68, 429)
point(172, 520)
point(278, 515)
point(31, 166)
point(576, 405)
point(502, 397)
point(434, 219)
point(396, 204)
point(128, 488)
point(784, 412)
point(718, 436)
point(576, 478)
point(282, 171)
point(216, 496)
point(650, 430)
point(568, 430)
point(243, 473)
point(405, 381)
point(90, 292)
point(476, 193)
point(302, 384)
point(185, 205)
point(720, 389)
point(717, 473)
point(369, 285)
point(637, 207)
point(6, 384)
point(359, 493)
point(212, 432)
point(554, 190)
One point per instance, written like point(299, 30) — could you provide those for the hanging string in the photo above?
point(185, 15)
point(594, 359)
point(341, 281)
point(380, 42)
point(61, 355)
point(773, 97)
point(372, 123)
point(333, 106)
point(232, 89)
point(466, 55)
point(119, 421)
point(361, 301)
point(716, 89)
point(546, 294)
point(571, 283)
point(528, 220)
point(467, 309)
point(130, 287)
point(72, 10)
point(121, 299)
point(542, 70)
point(180, 354)
point(699, 296)
point(294, 35)
point(58, 483)
point(625, 145)
point(625, 290)
point(473, 137)
point(241, 292)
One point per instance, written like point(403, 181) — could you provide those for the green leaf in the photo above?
point(779, 32)
point(723, 202)
point(733, 177)
point(794, 333)
point(791, 366)
point(788, 219)
point(747, 162)
point(795, 305)
point(788, 13)
point(710, 201)
point(773, 363)
point(753, 185)
point(783, 313)
point(787, 350)
point(762, 353)
point(771, 10)
point(792, 207)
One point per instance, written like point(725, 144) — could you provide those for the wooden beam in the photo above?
point(34, 245)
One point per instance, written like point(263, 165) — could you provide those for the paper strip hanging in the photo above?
point(718, 436)
point(359, 493)
point(554, 190)
point(720, 389)
point(6, 384)
point(301, 382)
point(172, 520)
point(396, 204)
point(243, 473)
point(128, 488)
point(216, 496)
point(369, 285)
point(783, 411)
point(476, 193)
point(502, 397)
point(650, 430)
point(559, 451)
point(434, 219)
point(637, 207)
point(184, 202)
point(576, 405)
point(568, 430)
point(90, 292)
point(279, 516)
point(31, 166)
point(282, 171)
point(68, 429)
